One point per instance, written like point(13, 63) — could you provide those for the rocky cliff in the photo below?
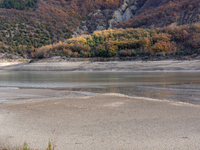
point(109, 18)
point(143, 13)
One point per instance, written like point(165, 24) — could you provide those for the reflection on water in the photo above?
point(175, 86)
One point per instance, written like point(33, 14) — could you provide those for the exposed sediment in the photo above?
point(100, 122)
point(105, 66)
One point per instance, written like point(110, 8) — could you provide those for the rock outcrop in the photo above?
point(108, 18)
point(125, 12)
point(97, 20)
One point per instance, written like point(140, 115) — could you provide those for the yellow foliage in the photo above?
point(112, 50)
point(160, 46)
point(97, 33)
point(145, 42)
point(162, 37)
point(81, 40)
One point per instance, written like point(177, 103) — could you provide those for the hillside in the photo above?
point(169, 42)
point(145, 14)
point(160, 13)
point(26, 25)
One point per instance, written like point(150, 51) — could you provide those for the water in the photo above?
point(173, 86)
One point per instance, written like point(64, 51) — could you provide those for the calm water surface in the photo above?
point(173, 86)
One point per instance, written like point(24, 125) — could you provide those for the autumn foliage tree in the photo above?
point(128, 43)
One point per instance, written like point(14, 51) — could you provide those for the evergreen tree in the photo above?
point(17, 4)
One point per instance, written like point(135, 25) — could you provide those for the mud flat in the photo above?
point(74, 120)
point(106, 66)
point(98, 122)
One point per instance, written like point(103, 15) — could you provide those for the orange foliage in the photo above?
point(160, 46)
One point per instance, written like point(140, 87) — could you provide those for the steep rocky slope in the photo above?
point(109, 18)
point(160, 13)
point(144, 13)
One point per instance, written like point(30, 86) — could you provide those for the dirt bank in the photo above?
point(106, 66)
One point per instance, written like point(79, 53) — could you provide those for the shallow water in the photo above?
point(173, 86)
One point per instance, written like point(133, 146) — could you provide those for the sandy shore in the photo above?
point(97, 122)
point(77, 121)
point(105, 66)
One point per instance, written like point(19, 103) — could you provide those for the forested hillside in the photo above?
point(129, 42)
point(20, 4)
point(28, 25)
point(25, 25)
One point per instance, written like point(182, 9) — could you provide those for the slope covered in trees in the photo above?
point(28, 25)
point(19, 4)
point(167, 41)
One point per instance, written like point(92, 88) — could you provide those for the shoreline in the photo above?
point(74, 120)
point(129, 66)
point(15, 94)
point(48, 94)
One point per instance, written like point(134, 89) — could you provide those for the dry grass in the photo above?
point(51, 146)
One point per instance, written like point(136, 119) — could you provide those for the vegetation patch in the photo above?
point(179, 40)
point(18, 4)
